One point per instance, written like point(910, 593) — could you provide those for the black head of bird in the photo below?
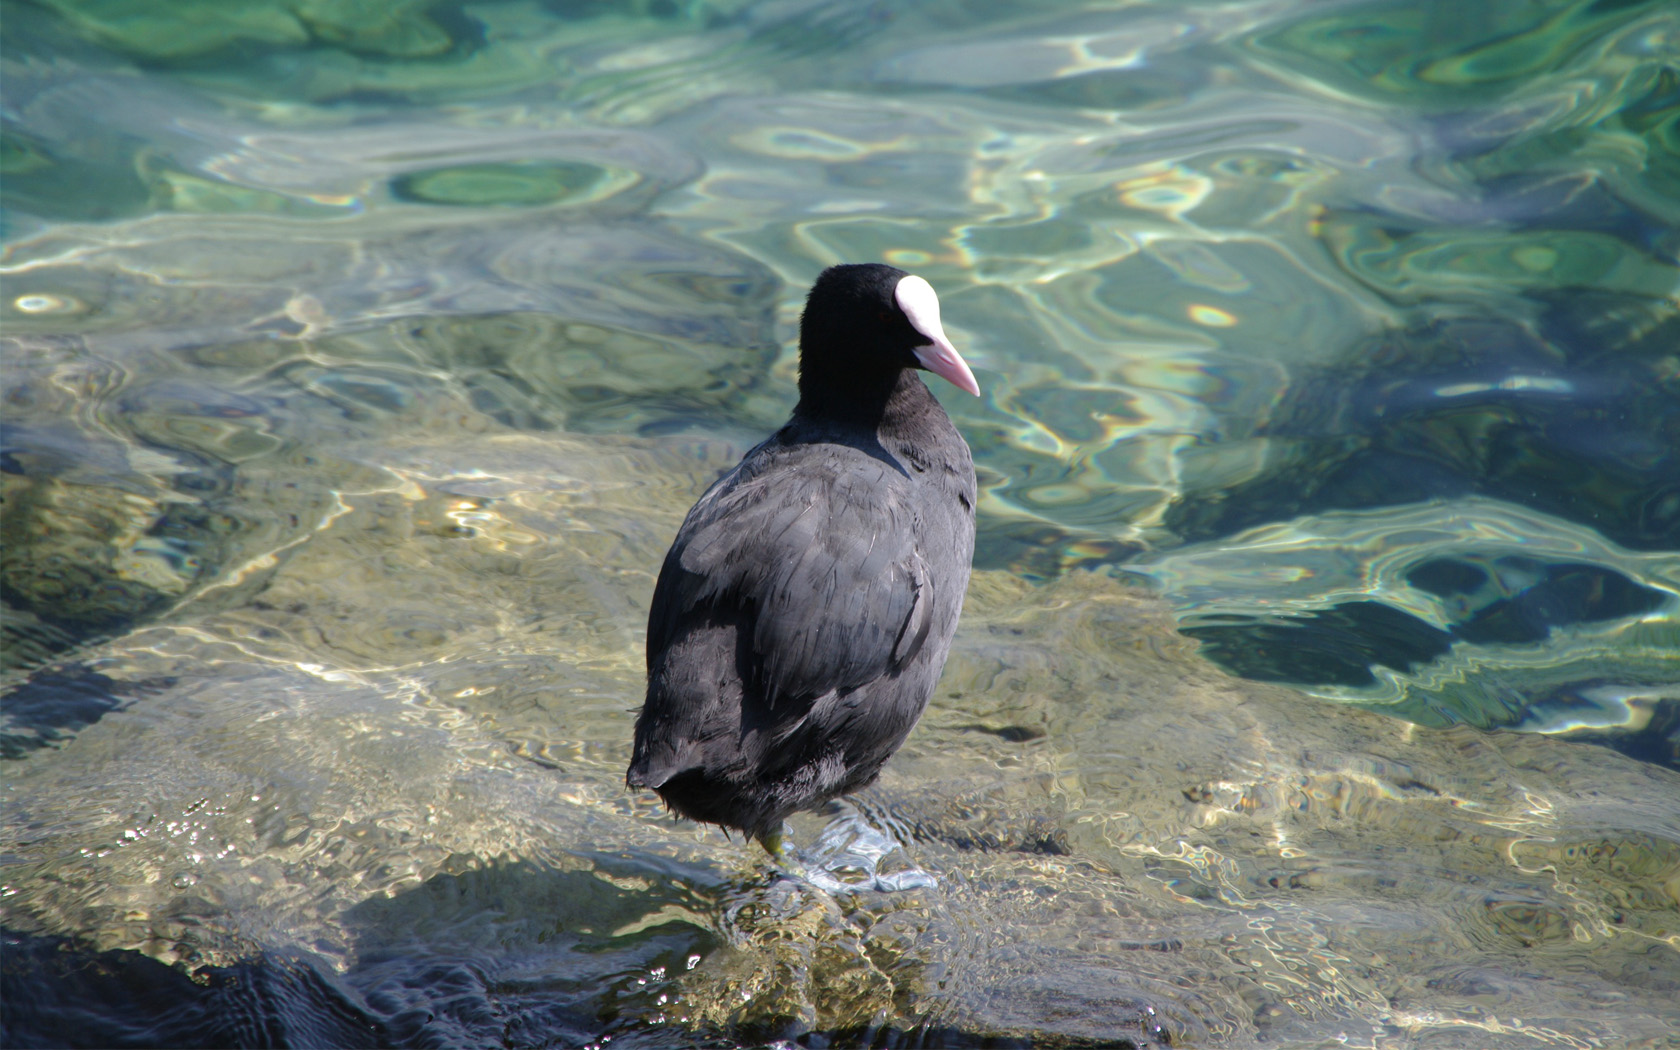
point(864, 324)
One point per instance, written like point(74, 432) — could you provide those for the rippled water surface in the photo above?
point(1319, 684)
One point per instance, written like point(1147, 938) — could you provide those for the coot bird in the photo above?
point(805, 609)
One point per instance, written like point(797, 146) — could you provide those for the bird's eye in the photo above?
point(886, 317)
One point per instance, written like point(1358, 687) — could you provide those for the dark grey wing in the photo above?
point(817, 555)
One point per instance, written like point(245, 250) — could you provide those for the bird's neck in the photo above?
point(885, 400)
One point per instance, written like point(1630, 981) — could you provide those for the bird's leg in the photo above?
point(774, 843)
point(789, 864)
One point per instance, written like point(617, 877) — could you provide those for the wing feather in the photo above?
point(824, 575)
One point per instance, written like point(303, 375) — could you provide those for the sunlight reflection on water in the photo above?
point(359, 365)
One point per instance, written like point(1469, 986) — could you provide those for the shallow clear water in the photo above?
point(1320, 679)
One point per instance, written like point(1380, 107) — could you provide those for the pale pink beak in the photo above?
point(921, 307)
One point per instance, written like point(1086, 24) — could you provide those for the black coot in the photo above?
point(805, 609)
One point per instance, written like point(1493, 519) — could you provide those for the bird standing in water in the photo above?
point(805, 609)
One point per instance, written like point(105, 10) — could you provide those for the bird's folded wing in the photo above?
point(820, 566)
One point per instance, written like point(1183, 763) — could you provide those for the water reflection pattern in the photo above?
point(360, 360)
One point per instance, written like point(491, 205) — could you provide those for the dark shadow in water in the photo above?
point(71, 528)
point(510, 954)
point(1543, 596)
point(1492, 600)
point(1495, 600)
point(54, 995)
point(940, 1037)
point(50, 706)
point(513, 953)
point(1335, 646)
point(1582, 423)
point(1656, 741)
point(1499, 600)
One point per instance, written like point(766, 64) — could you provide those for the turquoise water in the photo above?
point(1320, 681)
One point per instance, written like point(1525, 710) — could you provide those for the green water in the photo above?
point(1320, 680)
